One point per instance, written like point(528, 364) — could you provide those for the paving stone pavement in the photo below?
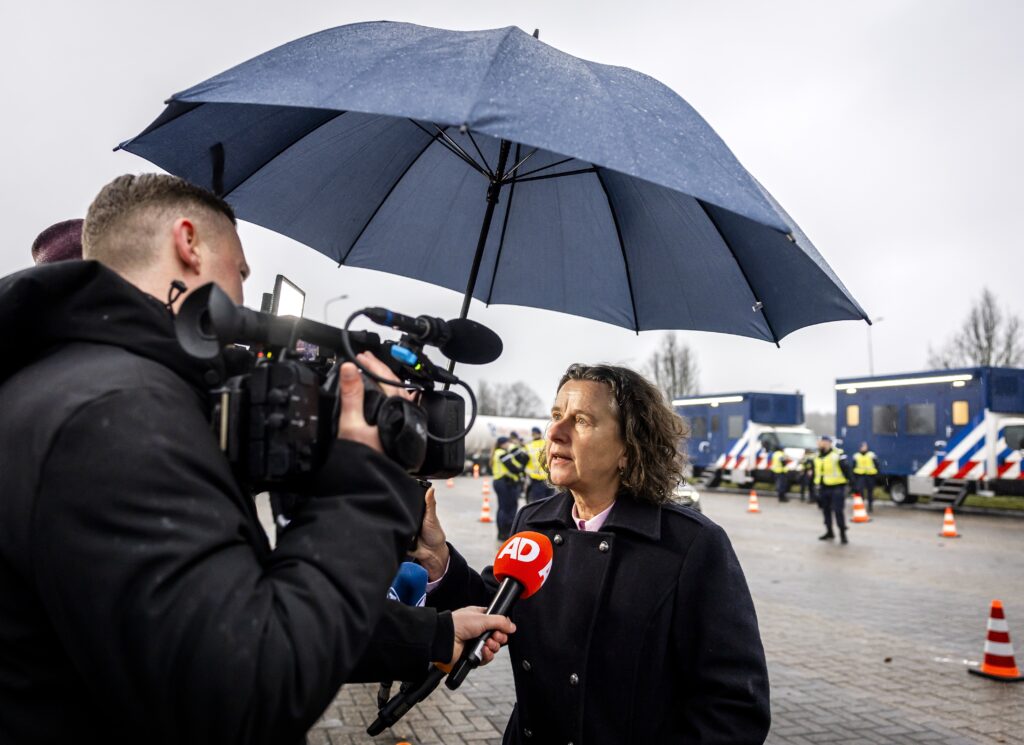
point(866, 643)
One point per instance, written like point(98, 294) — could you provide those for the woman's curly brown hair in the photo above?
point(653, 433)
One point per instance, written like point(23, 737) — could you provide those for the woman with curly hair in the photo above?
point(645, 630)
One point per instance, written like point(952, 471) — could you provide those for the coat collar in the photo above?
point(628, 515)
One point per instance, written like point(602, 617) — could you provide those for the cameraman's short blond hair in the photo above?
point(123, 222)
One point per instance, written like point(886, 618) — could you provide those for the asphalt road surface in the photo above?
point(866, 643)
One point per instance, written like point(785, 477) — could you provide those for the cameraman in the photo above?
point(139, 597)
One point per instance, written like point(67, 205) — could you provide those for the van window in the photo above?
point(714, 423)
point(735, 425)
point(961, 413)
point(699, 427)
point(1014, 435)
point(920, 419)
point(885, 420)
point(853, 415)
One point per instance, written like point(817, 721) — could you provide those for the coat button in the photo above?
point(527, 732)
point(603, 547)
point(527, 666)
point(574, 679)
point(558, 539)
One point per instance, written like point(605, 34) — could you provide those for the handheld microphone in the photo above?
point(409, 586)
point(459, 339)
point(523, 564)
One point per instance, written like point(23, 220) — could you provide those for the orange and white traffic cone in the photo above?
point(860, 512)
point(485, 510)
point(752, 504)
point(999, 663)
point(486, 488)
point(450, 483)
point(476, 470)
point(949, 525)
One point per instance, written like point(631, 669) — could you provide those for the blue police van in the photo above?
point(732, 435)
point(941, 433)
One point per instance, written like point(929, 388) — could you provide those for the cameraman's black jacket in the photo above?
point(139, 598)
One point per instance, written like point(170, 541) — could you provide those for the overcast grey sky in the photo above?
point(891, 131)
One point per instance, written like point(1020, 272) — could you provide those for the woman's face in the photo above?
point(584, 448)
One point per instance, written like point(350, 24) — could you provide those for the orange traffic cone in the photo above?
point(999, 663)
point(476, 470)
point(949, 525)
point(486, 489)
point(860, 512)
point(752, 505)
point(485, 509)
point(450, 483)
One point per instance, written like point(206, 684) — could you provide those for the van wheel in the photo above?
point(898, 493)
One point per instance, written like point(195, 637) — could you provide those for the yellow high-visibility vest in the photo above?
point(864, 464)
point(827, 470)
point(498, 469)
point(535, 468)
point(778, 462)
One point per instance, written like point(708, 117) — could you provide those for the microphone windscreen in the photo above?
point(526, 558)
point(471, 343)
point(409, 586)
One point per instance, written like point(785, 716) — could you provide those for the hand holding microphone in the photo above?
point(523, 565)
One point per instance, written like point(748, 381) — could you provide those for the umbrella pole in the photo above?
point(493, 189)
point(492, 201)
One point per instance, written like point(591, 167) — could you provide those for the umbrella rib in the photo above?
point(458, 149)
point(622, 249)
point(592, 169)
point(440, 137)
point(472, 139)
point(501, 241)
point(515, 168)
point(758, 306)
point(433, 139)
point(544, 168)
point(280, 152)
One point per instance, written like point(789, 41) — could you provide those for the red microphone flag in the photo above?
point(526, 558)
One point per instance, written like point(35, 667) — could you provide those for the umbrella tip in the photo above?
point(536, 33)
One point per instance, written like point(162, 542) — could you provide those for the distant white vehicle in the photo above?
point(487, 429)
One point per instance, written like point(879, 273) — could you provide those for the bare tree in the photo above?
point(989, 336)
point(519, 399)
point(487, 398)
point(508, 399)
point(674, 368)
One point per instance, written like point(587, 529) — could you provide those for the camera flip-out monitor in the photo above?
point(288, 300)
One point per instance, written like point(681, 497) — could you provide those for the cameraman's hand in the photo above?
point(472, 622)
point(352, 423)
point(431, 546)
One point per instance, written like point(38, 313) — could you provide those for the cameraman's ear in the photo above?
point(185, 244)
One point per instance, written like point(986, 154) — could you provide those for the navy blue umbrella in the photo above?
point(491, 162)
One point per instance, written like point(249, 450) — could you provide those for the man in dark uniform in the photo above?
point(865, 468)
point(831, 475)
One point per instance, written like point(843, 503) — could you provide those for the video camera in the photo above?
point(277, 420)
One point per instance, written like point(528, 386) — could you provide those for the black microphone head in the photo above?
point(472, 343)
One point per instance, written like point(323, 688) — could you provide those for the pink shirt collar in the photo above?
point(593, 524)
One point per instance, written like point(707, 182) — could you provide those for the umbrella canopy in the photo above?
point(492, 162)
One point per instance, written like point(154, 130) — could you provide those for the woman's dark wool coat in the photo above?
point(644, 632)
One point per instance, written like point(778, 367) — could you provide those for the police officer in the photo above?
point(778, 466)
point(807, 479)
point(507, 464)
point(865, 468)
point(831, 475)
point(537, 476)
